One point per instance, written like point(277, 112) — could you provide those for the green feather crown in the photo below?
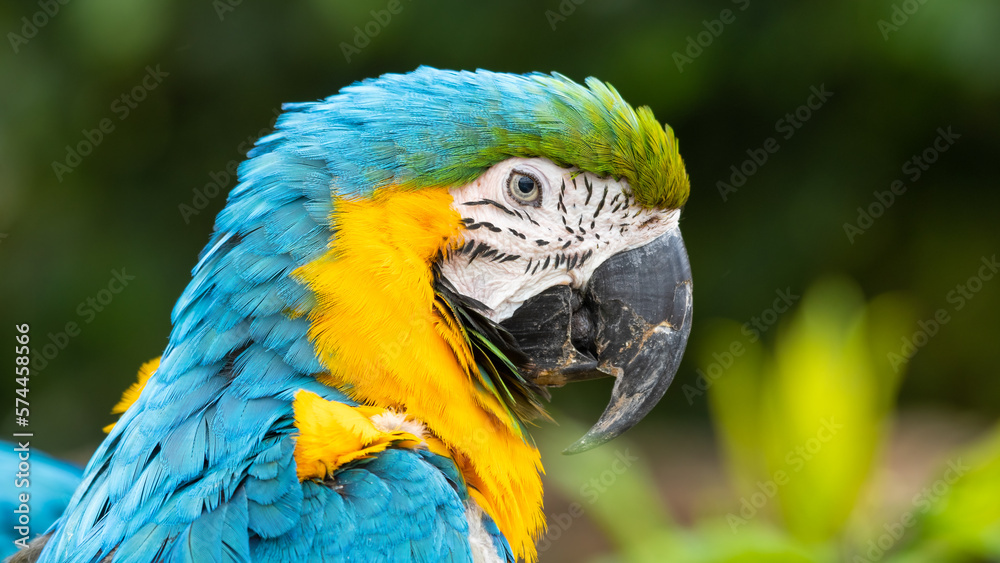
point(597, 131)
point(434, 127)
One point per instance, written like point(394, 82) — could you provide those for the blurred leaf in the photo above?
point(964, 522)
point(614, 487)
point(731, 371)
point(802, 429)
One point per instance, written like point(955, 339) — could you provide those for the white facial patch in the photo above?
point(514, 247)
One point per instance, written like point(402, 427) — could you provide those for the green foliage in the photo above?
point(820, 408)
point(966, 522)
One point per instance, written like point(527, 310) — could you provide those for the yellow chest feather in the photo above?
point(377, 329)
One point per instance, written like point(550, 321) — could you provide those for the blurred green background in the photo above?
point(833, 271)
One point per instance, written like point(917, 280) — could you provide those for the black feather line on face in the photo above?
point(600, 205)
point(467, 247)
point(496, 204)
point(483, 247)
point(485, 224)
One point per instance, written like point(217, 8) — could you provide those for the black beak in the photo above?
point(631, 321)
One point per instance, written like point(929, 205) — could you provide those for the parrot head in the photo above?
point(587, 281)
point(568, 245)
point(448, 245)
point(569, 202)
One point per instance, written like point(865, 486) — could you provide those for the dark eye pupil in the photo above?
point(525, 185)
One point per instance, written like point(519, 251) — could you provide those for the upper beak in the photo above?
point(631, 321)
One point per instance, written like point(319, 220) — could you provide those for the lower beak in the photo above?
point(631, 321)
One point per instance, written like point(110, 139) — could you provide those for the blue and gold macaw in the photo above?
point(400, 273)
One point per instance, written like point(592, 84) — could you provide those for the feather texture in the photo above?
point(319, 280)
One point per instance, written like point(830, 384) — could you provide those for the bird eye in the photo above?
point(524, 188)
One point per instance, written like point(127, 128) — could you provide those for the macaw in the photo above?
point(400, 273)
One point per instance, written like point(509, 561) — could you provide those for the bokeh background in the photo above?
point(810, 282)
